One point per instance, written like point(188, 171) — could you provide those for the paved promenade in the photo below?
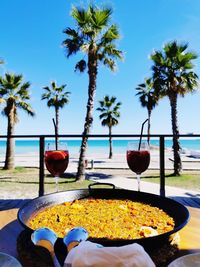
point(185, 196)
point(131, 184)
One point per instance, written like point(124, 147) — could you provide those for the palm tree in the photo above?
point(148, 99)
point(15, 94)
point(94, 36)
point(56, 97)
point(109, 116)
point(173, 76)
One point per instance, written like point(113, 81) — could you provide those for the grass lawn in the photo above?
point(186, 180)
point(26, 180)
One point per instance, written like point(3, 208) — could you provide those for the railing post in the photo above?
point(162, 166)
point(41, 173)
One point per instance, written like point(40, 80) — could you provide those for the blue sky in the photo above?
point(31, 37)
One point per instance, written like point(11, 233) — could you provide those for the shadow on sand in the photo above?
point(98, 176)
point(7, 204)
point(190, 200)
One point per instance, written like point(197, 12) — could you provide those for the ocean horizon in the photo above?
point(23, 146)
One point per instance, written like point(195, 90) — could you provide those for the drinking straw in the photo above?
point(141, 133)
point(56, 134)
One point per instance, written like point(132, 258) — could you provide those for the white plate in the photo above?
point(8, 261)
point(190, 260)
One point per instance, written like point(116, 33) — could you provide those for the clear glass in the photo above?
point(56, 159)
point(138, 158)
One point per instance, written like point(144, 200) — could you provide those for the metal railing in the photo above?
point(161, 138)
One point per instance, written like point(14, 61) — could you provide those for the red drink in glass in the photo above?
point(138, 160)
point(56, 161)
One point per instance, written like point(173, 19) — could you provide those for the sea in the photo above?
point(23, 146)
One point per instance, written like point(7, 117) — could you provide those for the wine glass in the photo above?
point(138, 158)
point(56, 159)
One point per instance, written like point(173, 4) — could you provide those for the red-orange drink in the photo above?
point(138, 160)
point(56, 161)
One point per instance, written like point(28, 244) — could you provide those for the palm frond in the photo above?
point(81, 66)
point(103, 115)
point(100, 17)
point(2, 101)
point(171, 69)
point(23, 91)
point(109, 111)
point(46, 96)
point(81, 15)
point(147, 94)
point(26, 107)
point(111, 34)
point(10, 82)
point(3, 91)
point(109, 63)
point(51, 102)
point(55, 95)
point(72, 46)
point(14, 93)
point(93, 31)
point(71, 32)
point(111, 51)
point(101, 109)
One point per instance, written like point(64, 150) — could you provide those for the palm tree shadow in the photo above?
point(89, 162)
point(6, 204)
point(68, 175)
point(189, 200)
point(170, 175)
point(5, 178)
point(98, 176)
point(143, 177)
point(64, 175)
point(150, 176)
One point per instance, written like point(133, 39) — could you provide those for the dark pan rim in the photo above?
point(100, 240)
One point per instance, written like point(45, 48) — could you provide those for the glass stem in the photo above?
point(56, 263)
point(138, 181)
point(56, 180)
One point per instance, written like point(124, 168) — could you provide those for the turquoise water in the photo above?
point(98, 146)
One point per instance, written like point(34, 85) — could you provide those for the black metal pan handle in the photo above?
point(94, 184)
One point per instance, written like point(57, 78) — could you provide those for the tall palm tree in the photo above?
point(109, 116)
point(15, 94)
point(173, 75)
point(148, 99)
point(95, 37)
point(57, 98)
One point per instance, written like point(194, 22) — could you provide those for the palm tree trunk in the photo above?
point(56, 128)
point(92, 72)
point(176, 145)
point(10, 145)
point(110, 142)
point(149, 125)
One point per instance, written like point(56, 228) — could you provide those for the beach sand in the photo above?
point(101, 161)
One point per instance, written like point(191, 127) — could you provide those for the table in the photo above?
point(10, 229)
point(190, 236)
